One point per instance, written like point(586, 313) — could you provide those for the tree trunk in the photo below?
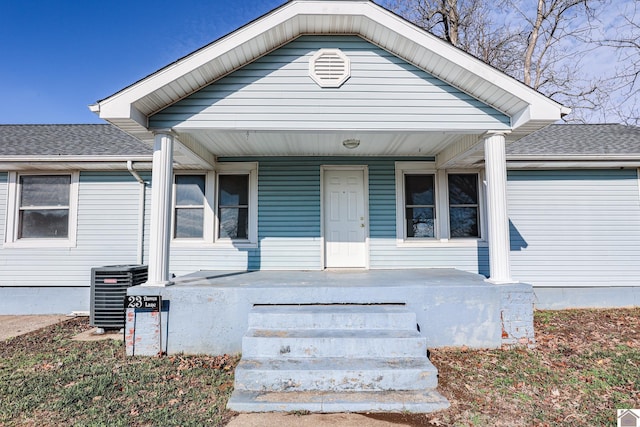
point(532, 41)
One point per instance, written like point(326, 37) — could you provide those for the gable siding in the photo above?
point(106, 235)
point(289, 224)
point(575, 228)
point(383, 92)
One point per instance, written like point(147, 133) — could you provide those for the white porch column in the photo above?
point(161, 194)
point(498, 219)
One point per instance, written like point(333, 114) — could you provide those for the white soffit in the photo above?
point(130, 108)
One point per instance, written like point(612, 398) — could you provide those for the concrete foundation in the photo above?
point(517, 315)
point(561, 298)
point(17, 300)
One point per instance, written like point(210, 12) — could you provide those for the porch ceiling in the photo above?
point(292, 143)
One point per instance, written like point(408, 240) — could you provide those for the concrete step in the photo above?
point(297, 343)
point(334, 358)
point(336, 374)
point(330, 402)
point(332, 317)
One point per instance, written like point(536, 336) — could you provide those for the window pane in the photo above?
point(46, 223)
point(419, 189)
point(234, 223)
point(464, 222)
point(189, 223)
point(463, 189)
point(420, 222)
point(234, 190)
point(43, 190)
point(189, 190)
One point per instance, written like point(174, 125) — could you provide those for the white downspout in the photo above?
point(141, 205)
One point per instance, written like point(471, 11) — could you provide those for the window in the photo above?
point(435, 206)
point(233, 206)
point(464, 212)
point(237, 203)
point(189, 205)
point(42, 209)
point(217, 207)
point(420, 205)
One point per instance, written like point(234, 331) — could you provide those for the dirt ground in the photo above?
point(327, 420)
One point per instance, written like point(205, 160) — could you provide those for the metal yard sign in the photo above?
point(148, 302)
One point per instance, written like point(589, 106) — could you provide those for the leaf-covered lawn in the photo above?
point(585, 366)
point(47, 379)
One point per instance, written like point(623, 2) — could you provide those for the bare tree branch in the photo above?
point(544, 43)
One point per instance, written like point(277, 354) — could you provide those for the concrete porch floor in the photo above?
point(206, 312)
point(334, 278)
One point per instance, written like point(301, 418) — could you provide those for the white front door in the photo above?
point(345, 223)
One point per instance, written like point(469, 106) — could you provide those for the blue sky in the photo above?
point(57, 57)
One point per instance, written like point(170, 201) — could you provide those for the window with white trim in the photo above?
point(216, 207)
point(42, 209)
point(436, 205)
point(420, 205)
point(237, 203)
point(233, 206)
point(464, 205)
point(189, 206)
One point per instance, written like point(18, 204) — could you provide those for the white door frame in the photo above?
point(365, 195)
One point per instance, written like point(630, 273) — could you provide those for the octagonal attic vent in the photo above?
point(329, 67)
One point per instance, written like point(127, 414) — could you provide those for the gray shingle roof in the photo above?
point(69, 140)
point(107, 140)
point(579, 140)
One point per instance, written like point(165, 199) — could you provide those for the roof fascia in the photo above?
point(62, 158)
point(539, 107)
point(70, 165)
point(631, 162)
point(117, 103)
point(572, 157)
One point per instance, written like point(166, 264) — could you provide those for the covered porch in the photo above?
point(324, 135)
point(207, 311)
point(330, 80)
point(321, 111)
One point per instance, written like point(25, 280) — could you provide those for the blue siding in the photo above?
point(106, 235)
point(289, 224)
point(575, 228)
point(383, 92)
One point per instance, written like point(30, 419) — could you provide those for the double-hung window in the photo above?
point(42, 209)
point(216, 207)
point(420, 205)
point(233, 206)
point(436, 205)
point(188, 222)
point(464, 205)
